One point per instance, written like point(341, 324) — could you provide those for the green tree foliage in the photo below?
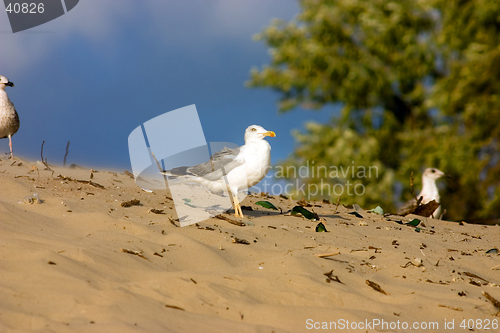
point(419, 86)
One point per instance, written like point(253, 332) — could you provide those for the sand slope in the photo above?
point(63, 267)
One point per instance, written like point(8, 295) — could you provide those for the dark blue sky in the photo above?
point(104, 68)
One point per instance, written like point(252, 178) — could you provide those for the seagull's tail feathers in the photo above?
point(183, 175)
point(217, 188)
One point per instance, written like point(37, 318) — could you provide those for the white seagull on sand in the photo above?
point(429, 192)
point(9, 120)
point(233, 169)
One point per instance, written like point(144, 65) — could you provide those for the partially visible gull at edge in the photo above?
point(9, 120)
point(242, 167)
point(429, 192)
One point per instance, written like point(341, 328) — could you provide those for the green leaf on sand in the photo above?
point(187, 203)
point(266, 204)
point(321, 227)
point(377, 210)
point(413, 222)
point(307, 214)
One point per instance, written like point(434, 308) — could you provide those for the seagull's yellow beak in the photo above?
point(269, 133)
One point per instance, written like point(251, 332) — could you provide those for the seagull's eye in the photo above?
point(254, 129)
point(433, 170)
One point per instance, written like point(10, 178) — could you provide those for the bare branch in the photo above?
point(66, 155)
point(45, 162)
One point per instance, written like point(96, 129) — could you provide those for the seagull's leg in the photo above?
point(235, 204)
point(10, 146)
point(237, 207)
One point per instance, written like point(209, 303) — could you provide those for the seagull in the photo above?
point(9, 120)
point(233, 169)
point(429, 192)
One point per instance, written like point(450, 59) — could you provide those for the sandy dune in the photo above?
point(79, 261)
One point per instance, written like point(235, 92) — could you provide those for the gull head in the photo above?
point(433, 173)
point(4, 82)
point(256, 132)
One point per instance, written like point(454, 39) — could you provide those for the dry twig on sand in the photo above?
point(450, 307)
point(66, 155)
point(172, 221)
point(325, 255)
point(376, 287)
point(225, 218)
point(133, 202)
point(129, 174)
point(43, 161)
point(493, 301)
point(338, 203)
point(331, 277)
point(174, 307)
point(134, 252)
point(91, 183)
point(157, 163)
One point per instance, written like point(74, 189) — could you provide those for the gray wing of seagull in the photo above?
point(220, 163)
